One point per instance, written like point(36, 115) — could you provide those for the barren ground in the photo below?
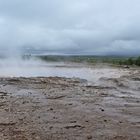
point(57, 108)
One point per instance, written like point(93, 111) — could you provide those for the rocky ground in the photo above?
point(70, 109)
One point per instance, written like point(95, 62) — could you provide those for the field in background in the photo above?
point(115, 60)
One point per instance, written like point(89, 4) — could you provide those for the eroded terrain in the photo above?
point(57, 108)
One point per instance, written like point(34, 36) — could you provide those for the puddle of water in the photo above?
point(37, 68)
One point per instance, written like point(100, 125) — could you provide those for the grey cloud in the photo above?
point(74, 26)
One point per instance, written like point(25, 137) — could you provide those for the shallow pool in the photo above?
point(32, 68)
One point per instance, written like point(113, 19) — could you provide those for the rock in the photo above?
point(74, 126)
point(102, 109)
point(89, 137)
point(126, 67)
point(51, 109)
point(73, 121)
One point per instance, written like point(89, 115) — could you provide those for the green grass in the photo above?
point(88, 59)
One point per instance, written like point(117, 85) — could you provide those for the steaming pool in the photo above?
point(47, 69)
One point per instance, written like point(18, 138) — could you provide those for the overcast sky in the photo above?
point(71, 26)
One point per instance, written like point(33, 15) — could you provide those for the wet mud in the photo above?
point(57, 108)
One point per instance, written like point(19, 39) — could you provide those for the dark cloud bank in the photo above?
point(98, 27)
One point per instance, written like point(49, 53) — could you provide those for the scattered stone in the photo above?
point(89, 137)
point(73, 121)
point(53, 98)
point(73, 126)
point(102, 109)
point(7, 123)
point(51, 127)
point(126, 67)
point(70, 104)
